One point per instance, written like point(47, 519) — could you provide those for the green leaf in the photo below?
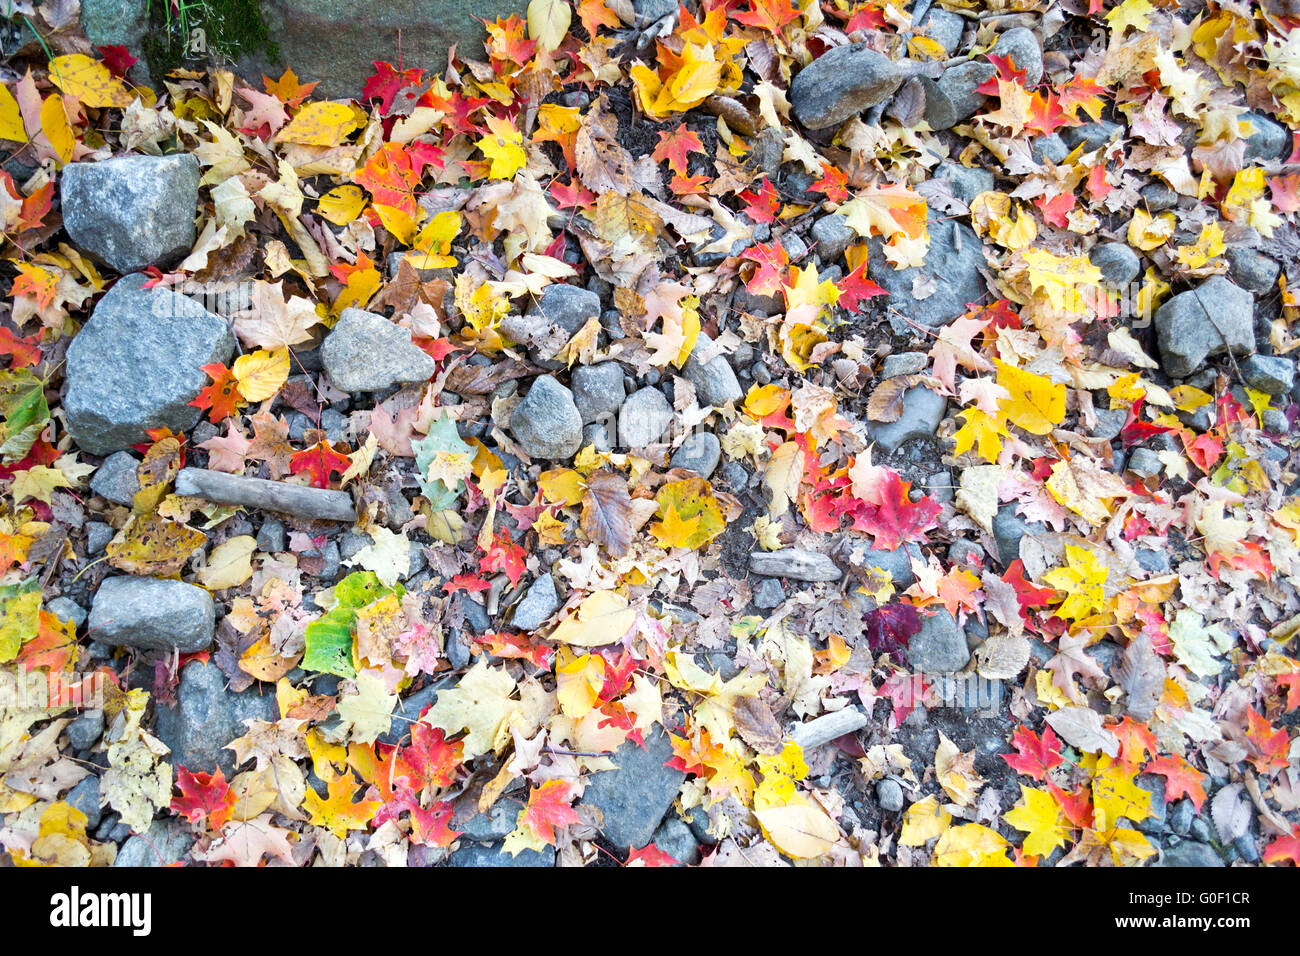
point(329, 637)
point(442, 437)
point(23, 413)
point(20, 606)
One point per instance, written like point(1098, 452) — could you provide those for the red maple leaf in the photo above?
point(675, 145)
point(1054, 210)
point(319, 461)
point(651, 855)
point(23, 352)
point(456, 109)
point(769, 15)
point(1097, 185)
point(906, 691)
point(1076, 806)
point(1036, 755)
point(1135, 741)
point(386, 82)
point(572, 196)
point(1027, 593)
point(1291, 682)
point(469, 583)
point(117, 58)
point(891, 627)
point(1284, 848)
point(1181, 779)
point(1007, 72)
point(833, 184)
point(1285, 191)
point(517, 646)
point(221, 398)
point(504, 555)
point(863, 16)
point(855, 288)
point(1270, 745)
point(548, 807)
point(53, 647)
point(431, 827)
point(763, 205)
point(898, 519)
point(380, 765)
point(1046, 115)
point(204, 795)
point(688, 185)
point(772, 260)
point(430, 761)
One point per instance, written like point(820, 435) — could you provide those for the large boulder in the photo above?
point(366, 352)
point(337, 41)
point(135, 365)
point(134, 211)
point(1215, 318)
point(152, 614)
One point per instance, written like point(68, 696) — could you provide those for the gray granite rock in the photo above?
point(768, 594)
point(898, 562)
point(98, 535)
point(547, 423)
point(1205, 322)
point(1158, 197)
point(493, 855)
point(700, 453)
point(923, 410)
point(715, 381)
point(85, 797)
point(1119, 265)
point(1025, 51)
point(945, 27)
point(842, 82)
point(953, 97)
point(597, 390)
point(566, 306)
point(207, 716)
point(1145, 463)
point(634, 798)
point(84, 732)
point(939, 647)
point(1048, 149)
point(133, 211)
point(1272, 374)
point(152, 614)
point(271, 537)
point(966, 182)
point(597, 436)
point(166, 842)
point(1009, 528)
point(116, 479)
point(904, 363)
point(1252, 270)
point(1190, 853)
point(66, 609)
point(832, 234)
point(644, 418)
point(366, 352)
point(1268, 140)
point(135, 365)
point(889, 795)
point(539, 603)
point(1091, 135)
point(953, 261)
point(675, 838)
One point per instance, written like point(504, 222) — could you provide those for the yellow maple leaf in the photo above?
point(924, 820)
point(1083, 579)
point(983, 432)
point(971, 844)
point(504, 148)
point(89, 81)
point(481, 705)
point(1037, 404)
point(1063, 279)
point(261, 374)
point(1131, 14)
point(1115, 795)
point(578, 681)
point(337, 813)
point(320, 124)
point(1039, 815)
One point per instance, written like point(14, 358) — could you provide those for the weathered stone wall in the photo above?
point(333, 41)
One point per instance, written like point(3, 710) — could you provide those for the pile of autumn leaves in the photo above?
point(533, 706)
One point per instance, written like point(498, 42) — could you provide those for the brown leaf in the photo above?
point(601, 162)
point(481, 379)
point(756, 725)
point(886, 402)
point(606, 510)
point(908, 104)
point(1142, 675)
point(150, 544)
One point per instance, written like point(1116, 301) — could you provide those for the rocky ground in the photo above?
point(833, 434)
